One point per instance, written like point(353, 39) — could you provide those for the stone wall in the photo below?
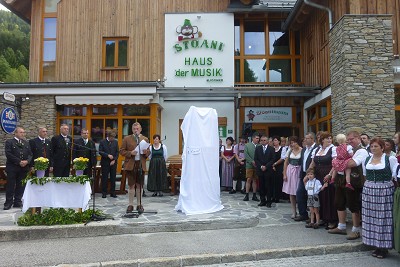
point(361, 75)
point(36, 112)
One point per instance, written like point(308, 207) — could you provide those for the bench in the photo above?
point(174, 167)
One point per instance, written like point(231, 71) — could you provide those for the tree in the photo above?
point(4, 68)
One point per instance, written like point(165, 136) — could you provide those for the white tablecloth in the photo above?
point(53, 195)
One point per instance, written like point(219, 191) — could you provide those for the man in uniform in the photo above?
point(61, 146)
point(19, 155)
point(108, 149)
point(85, 147)
point(41, 147)
point(135, 164)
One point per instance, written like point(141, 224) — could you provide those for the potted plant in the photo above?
point(80, 164)
point(41, 164)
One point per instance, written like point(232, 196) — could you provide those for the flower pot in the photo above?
point(40, 173)
point(78, 172)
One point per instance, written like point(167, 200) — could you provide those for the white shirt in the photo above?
point(313, 186)
point(165, 153)
point(283, 153)
point(306, 153)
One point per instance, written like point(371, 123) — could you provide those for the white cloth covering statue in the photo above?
point(200, 185)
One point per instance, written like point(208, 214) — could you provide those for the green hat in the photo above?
point(187, 23)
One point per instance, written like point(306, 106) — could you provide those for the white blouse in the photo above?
point(392, 161)
point(165, 153)
point(324, 151)
point(292, 155)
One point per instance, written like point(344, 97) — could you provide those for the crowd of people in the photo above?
point(61, 150)
point(322, 177)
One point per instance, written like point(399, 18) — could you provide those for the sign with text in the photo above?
point(199, 50)
point(9, 120)
point(268, 115)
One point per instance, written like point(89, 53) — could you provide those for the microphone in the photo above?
point(165, 138)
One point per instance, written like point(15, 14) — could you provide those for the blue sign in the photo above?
point(9, 120)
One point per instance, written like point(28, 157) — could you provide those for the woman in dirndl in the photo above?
point(157, 177)
point(228, 164)
point(291, 172)
point(377, 199)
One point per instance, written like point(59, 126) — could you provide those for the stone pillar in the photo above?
point(361, 75)
point(39, 111)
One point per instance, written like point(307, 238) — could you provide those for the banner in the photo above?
point(268, 115)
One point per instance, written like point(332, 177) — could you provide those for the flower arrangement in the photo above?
point(80, 163)
point(41, 164)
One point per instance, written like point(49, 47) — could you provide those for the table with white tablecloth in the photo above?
point(57, 195)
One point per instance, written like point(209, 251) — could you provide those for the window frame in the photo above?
point(116, 53)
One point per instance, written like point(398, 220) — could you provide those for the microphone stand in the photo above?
point(94, 217)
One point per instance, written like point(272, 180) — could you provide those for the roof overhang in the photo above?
point(21, 8)
point(80, 89)
point(298, 15)
point(104, 100)
point(239, 92)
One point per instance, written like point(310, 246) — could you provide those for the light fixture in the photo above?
point(396, 69)
point(198, 16)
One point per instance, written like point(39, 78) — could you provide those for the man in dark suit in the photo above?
point(19, 155)
point(84, 147)
point(61, 145)
point(305, 161)
point(264, 156)
point(109, 152)
point(41, 147)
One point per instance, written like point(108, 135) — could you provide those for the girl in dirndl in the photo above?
point(228, 164)
point(377, 199)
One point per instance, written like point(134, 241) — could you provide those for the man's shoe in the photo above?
point(113, 195)
point(233, 191)
point(129, 209)
point(255, 198)
point(246, 198)
point(17, 205)
point(144, 194)
point(337, 231)
point(7, 206)
point(353, 236)
point(300, 218)
point(104, 195)
point(243, 191)
point(262, 203)
point(269, 205)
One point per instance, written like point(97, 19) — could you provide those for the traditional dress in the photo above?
point(396, 218)
point(377, 202)
point(323, 164)
point(277, 179)
point(292, 173)
point(157, 177)
point(344, 154)
point(227, 167)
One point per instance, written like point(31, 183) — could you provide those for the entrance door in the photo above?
point(280, 131)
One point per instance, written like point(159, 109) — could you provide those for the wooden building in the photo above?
point(265, 66)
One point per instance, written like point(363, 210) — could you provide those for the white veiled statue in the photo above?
point(200, 185)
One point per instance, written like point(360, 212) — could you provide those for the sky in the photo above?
point(2, 7)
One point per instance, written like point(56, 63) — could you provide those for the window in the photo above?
point(115, 52)
point(264, 54)
point(319, 117)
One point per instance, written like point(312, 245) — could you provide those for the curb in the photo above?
point(208, 259)
point(120, 227)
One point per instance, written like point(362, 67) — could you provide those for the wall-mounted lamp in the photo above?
point(25, 98)
point(198, 16)
point(396, 69)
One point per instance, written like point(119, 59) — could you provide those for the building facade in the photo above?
point(275, 67)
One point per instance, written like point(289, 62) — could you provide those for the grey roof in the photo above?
point(262, 6)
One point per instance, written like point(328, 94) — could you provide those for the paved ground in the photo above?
point(241, 232)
